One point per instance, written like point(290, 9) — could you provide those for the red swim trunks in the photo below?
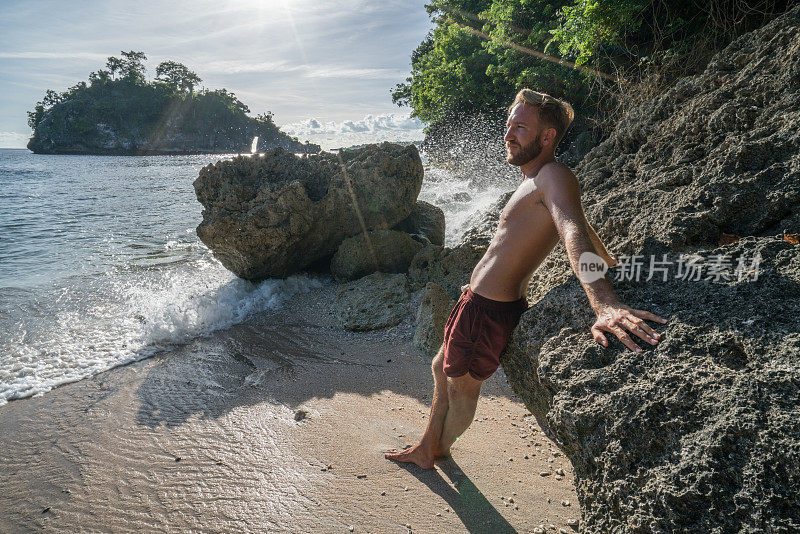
point(476, 333)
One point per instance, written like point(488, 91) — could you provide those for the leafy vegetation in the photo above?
point(602, 55)
point(119, 110)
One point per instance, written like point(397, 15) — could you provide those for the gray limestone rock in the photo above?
point(448, 267)
point(425, 220)
point(273, 215)
point(386, 251)
point(700, 433)
point(432, 315)
point(375, 301)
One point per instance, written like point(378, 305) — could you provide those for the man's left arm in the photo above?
point(562, 196)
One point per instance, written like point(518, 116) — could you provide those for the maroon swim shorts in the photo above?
point(476, 333)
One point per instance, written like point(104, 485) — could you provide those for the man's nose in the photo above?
point(509, 136)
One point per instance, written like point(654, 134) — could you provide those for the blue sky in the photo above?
point(324, 67)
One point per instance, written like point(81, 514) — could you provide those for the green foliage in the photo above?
point(100, 77)
point(588, 24)
point(35, 116)
point(455, 69)
point(480, 52)
point(133, 66)
point(265, 118)
point(114, 64)
point(130, 66)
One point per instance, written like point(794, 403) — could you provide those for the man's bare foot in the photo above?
point(418, 454)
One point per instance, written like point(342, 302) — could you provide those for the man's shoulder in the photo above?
point(556, 175)
point(556, 169)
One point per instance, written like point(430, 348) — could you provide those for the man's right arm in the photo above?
point(562, 198)
point(600, 247)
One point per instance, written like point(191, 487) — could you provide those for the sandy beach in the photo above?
point(206, 438)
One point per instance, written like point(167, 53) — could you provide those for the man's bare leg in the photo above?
point(427, 450)
point(463, 393)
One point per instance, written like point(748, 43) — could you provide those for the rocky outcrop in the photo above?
point(386, 251)
point(125, 119)
point(702, 432)
point(372, 302)
point(449, 268)
point(52, 138)
point(272, 215)
point(426, 220)
point(432, 315)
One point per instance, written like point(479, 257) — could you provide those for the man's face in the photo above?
point(522, 135)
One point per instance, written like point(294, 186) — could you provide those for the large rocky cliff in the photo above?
point(702, 432)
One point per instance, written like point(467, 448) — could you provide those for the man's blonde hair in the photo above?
point(553, 112)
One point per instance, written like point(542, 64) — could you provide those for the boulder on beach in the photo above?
point(273, 215)
point(425, 220)
point(375, 301)
point(382, 250)
point(432, 315)
point(700, 433)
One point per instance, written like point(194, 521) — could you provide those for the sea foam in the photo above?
point(91, 326)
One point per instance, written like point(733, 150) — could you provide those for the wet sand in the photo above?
point(205, 438)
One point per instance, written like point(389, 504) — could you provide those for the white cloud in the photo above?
point(14, 139)
point(370, 129)
point(309, 71)
point(319, 71)
point(238, 66)
point(52, 55)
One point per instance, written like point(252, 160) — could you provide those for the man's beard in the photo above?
point(525, 154)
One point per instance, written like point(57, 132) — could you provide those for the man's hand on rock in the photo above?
point(617, 318)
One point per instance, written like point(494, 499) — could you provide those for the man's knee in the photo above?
point(463, 388)
point(437, 365)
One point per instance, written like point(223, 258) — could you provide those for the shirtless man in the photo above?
point(545, 207)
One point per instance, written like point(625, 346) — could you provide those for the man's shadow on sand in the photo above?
point(465, 499)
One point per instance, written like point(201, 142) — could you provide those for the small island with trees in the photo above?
point(118, 112)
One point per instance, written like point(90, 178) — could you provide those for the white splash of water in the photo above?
point(130, 316)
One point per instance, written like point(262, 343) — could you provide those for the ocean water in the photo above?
point(100, 264)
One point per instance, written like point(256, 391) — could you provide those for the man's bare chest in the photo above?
point(524, 207)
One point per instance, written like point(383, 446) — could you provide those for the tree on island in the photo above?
point(131, 66)
point(177, 76)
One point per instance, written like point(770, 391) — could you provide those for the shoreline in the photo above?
point(148, 152)
point(204, 437)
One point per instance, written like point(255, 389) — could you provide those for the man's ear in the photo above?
point(549, 137)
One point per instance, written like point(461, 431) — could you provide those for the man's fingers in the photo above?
point(647, 315)
point(646, 327)
point(640, 329)
point(626, 339)
point(598, 336)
